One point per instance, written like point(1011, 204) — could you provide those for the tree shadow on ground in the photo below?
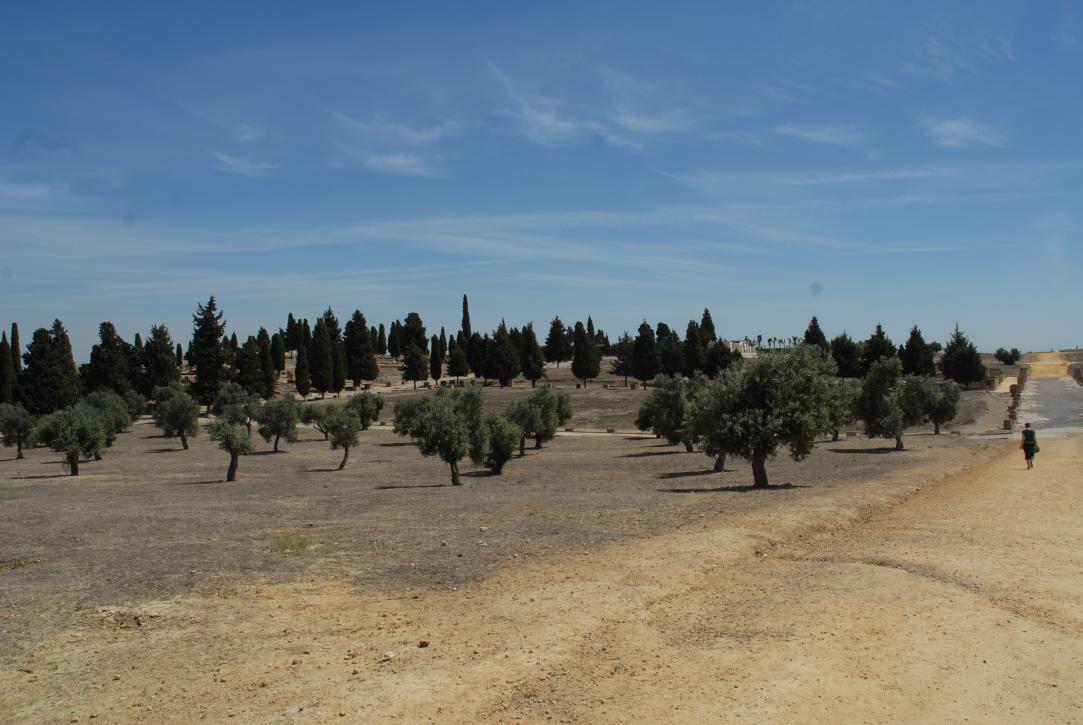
point(686, 474)
point(479, 474)
point(321, 470)
point(397, 444)
point(734, 489)
point(201, 483)
point(45, 475)
point(418, 485)
point(885, 449)
point(267, 453)
point(147, 438)
point(647, 454)
point(165, 450)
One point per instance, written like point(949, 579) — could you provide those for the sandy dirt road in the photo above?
point(964, 601)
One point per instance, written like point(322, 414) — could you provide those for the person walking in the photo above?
point(1029, 444)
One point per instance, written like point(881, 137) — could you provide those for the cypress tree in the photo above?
point(412, 332)
point(415, 364)
point(847, 355)
point(393, 340)
point(180, 356)
point(815, 336)
point(49, 381)
point(301, 377)
point(916, 356)
point(443, 342)
point(506, 363)
point(266, 364)
point(457, 363)
point(16, 351)
point(108, 367)
point(590, 329)
point(249, 369)
point(293, 335)
point(877, 347)
point(7, 372)
point(304, 336)
point(706, 328)
point(233, 344)
point(321, 358)
point(670, 354)
point(467, 332)
point(338, 352)
point(278, 353)
point(159, 360)
point(644, 354)
point(694, 351)
point(138, 344)
point(530, 356)
point(207, 355)
point(586, 362)
point(475, 354)
point(436, 359)
point(360, 355)
point(556, 343)
point(622, 352)
point(381, 340)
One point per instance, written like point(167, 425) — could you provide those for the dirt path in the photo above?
point(964, 601)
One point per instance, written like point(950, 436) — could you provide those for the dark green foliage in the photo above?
point(393, 340)
point(503, 436)
point(366, 406)
point(180, 356)
point(278, 419)
point(302, 377)
point(878, 404)
point(176, 414)
point(321, 358)
point(457, 363)
point(109, 359)
point(622, 357)
point(112, 412)
point(315, 415)
point(16, 426)
point(840, 411)
point(233, 439)
point(719, 356)
point(306, 336)
point(293, 334)
point(961, 361)
point(249, 370)
point(670, 354)
point(815, 336)
point(771, 401)
point(847, 356)
point(443, 343)
point(644, 354)
point(945, 406)
point(531, 358)
point(159, 360)
point(278, 353)
point(451, 424)
point(415, 364)
point(505, 356)
point(7, 372)
point(916, 357)
point(72, 432)
point(412, 332)
point(916, 395)
point(467, 331)
point(1008, 357)
point(236, 405)
point(49, 381)
point(137, 404)
point(877, 347)
point(706, 328)
point(666, 410)
point(16, 351)
point(693, 351)
point(360, 355)
point(381, 340)
point(266, 363)
point(342, 429)
point(540, 414)
point(338, 352)
point(436, 359)
point(586, 360)
point(477, 355)
point(556, 343)
point(207, 355)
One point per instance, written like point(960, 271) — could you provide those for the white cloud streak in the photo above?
point(243, 167)
point(832, 135)
point(958, 132)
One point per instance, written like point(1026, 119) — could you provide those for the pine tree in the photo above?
point(457, 363)
point(505, 356)
point(49, 382)
point(412, 332)
point(586, 362)
point(706, 328)
point(436, 359)
point(917, 358)
point(159, 360)
point(531, 359)
point(7, 372)
point(415, 364)
point(467, 332)
point(847, 355)
point(877, 347)
point(815, 336)
point(207, 356)
point(278, 353)
point(381, 340)
point(961, 361)
point(693, 351)
point(249, 368)
point(360, 356)
point(108, 366)
point(644, 354)
point(622, 353)
point(302, 378)
point(321, 358)
point(556, 343)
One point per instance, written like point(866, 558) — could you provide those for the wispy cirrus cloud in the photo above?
point(240, 131)
point(243, 167)
point(399, 163)
point(396, 133)
point(948, 56)
point(959, 132)
point(832, 135)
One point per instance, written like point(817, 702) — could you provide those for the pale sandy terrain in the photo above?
point(963, 600)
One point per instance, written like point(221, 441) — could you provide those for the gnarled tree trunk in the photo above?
point(720, 463)
point(759, 470)
point(73, 463)
point(184, 441)
point(277, 437)
point(898, 443)
point(455, 474)
point(345, 457)
point(231, 474)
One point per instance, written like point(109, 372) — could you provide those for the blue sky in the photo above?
point(863, 162)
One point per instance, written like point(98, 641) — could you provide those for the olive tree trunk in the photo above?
point(73, 463)
point(720, 463)
point(455, 474)
point(898, 443)
point(345, 457)
point(231, 474)
point(277, 437)
point(522, 445)
point(184, 441)
point(759, 470)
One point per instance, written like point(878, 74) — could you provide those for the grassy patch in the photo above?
point(290, 542)
point(18, 563)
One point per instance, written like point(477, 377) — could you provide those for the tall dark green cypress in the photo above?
point(108, 368)
point(466, 329)
point(815, 336)
point(531, 359)
point(278, 353)
point(393, 340)
point(706, 328)
point(16, 351)
point(878, 346)
point(644, 354)
point(266, 364)
point(159, 360)
point(506, 362)
point(321, 359)
point(443, 342)
point(293, 335)
point(586, 362)
point(180, 356)
point(49, 382)
point(436, 359)
point(7, 371)
point(381, 340)
point(207, 355)
point(249, 368)
point(556, 343)
point(338, 352)
point(412, 332)
point(302, 378)
point(360, 355)
point(916, 355)
point(695, 352)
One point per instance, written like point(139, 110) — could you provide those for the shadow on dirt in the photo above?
point(733, 489)
point(419, 485)
point(859, 451)
point(647, 454)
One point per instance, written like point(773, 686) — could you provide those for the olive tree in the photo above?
point(232, 438)
point(342, 426)
point(236, 405)
point(437, 428)
point(112, 410)
point(665, 410)
point(539, 415)
point(877, 405)
point(316, 416)
point(278, 419)
point(916, 396)
point(774, 400)
point(72, 432)
point(177, 415)
point(502, 436)
point(367, 407)
point(945, 406)
point(840, 411)
point(16, 427)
